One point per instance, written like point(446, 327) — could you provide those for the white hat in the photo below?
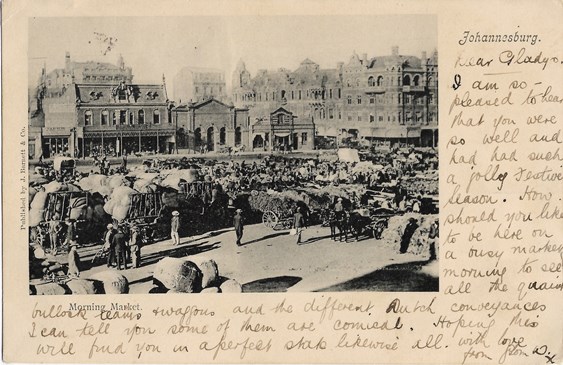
point(175, 212)
point(110, 225)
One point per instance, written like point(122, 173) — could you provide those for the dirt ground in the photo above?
point(271, 261)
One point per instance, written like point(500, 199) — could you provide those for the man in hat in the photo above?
point(135, 246)
point(238, 224)
point(54, 230)
point(407, 234)
point(73, 261)
point(298, 224)
point(433, 235)
point(174, 227)
point(108, 244)
point(119, 246)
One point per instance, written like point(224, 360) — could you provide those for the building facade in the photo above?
point(196, 84)
point(282, 131)
point(388, 98)
point(91, 108)
point(210, 125)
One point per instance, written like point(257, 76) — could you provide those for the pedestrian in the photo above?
point(298, 224)
point(238, 223)
point(73, 261)
point(108, 245)
point(54, 230)
point(119, 246)
point(70, 232)
point(174, 227)
point(135, 245)
point(407, 234)
point(433, 236)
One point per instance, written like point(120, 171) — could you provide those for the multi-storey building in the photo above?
point(196, 84)
point(389, 98)
point(99, 112)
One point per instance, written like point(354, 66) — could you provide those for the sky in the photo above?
point(154, 46)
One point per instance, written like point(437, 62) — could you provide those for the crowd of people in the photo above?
point(123, 243)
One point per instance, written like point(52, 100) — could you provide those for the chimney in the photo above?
point(395, 50)
point(423, 56)
point(364, 58)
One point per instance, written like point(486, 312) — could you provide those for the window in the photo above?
point(156, 116)
point(292, 95)
point(349, 118)
point(372, 100)
point(114, 117)
point(357, 82)
point(371, 81)
point(339, 114)
point(359, 118)
point(339, 94)
point(416, 80)
point(105, 117)
point(349, 100)
point(88, 117)
point(122, 116)
point(131, 118)
point(330, 114)
point(304, 138)
point(379, 80)
point(141, 116)
point(196, 89)
point(299, 94)
point(330, 93)
point(371, 118)
point(406, 80)
point(380, 118)
point(359, 99)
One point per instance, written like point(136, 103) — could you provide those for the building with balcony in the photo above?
point(385, 98)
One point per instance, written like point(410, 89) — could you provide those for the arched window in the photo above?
point(416, 80)
point(131, 118)
point(156, 116)
point(88, 117)
point(430, 81)
point(115, 116)
point(283, 94)
point(222, 135)
point(105, 117)
point(379, 80)
point(141, 116)
point(371, 81)
point(406, 80)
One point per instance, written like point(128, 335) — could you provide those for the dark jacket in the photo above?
point(238, 222)
point(119, 241)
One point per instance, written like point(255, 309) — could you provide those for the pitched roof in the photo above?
point(104, 93)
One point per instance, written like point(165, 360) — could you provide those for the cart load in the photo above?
point(64, 165)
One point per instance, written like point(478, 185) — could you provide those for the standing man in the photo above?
point(108, 244)
point(433, 235)
point(298, 224)
point(70, 232)
point(119, 244)
point(238, 224)
point(174, 227)
point(407, 234)
point(73, 261)
point(54, 230)
point(135, 246)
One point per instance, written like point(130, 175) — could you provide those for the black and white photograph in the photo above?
point(233, 154)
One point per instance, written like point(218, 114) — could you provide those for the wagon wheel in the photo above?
point(270, 219)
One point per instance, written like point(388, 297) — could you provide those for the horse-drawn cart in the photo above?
point(277, 220)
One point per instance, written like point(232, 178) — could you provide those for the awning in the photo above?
point(281, 135)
